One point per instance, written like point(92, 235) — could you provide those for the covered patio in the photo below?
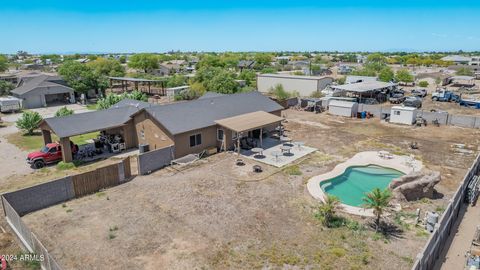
point(125, 82)
point(115, 127)
point(264, 136)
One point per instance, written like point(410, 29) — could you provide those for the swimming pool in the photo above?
point(350, 187)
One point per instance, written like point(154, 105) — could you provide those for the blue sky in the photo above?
point(48, 26)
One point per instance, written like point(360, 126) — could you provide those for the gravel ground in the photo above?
point(216, 215)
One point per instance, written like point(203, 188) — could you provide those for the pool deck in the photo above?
point(404, 164)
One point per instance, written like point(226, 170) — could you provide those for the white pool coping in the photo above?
point(404, 164)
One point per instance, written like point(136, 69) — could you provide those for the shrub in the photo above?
point(293, 170)
point(326, 211)
point(64, 111)
point(65, 166)
point(29, 121)
point(423, 83)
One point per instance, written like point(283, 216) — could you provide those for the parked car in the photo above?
point(397, 98)
point(414, 102)
point(419, 92)
point(50, 153)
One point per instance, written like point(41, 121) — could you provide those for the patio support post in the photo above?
point(66, 149)
point(47, 136)
point(261, 139)
point(238, 143)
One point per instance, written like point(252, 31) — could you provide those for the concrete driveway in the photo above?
point(46, 112)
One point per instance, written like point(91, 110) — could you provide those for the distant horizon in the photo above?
point(272, 51)
point(44, 27)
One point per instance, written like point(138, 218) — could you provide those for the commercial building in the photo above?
point(304, 85)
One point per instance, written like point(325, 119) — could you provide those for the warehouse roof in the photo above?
point(288, 76)
point(362, 87)
point(186, 116)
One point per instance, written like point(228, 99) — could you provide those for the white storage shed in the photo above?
point(342, 108)
point(403, 115)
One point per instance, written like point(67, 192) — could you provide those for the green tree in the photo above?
point(464, 72)
point(249, 76)
point(364, 72)
point(64, 111)
point(386, 74)
point(376, 58)
point(263, 60)
point(377, 200)
point(29, 121)
point(112, 99)
point(209, 60)
point(268, 70)
point(122, 59)
point(143, 61)
point(197, 89)
point(5, 88)
point(107, 67)
point(279, 92)
point(3, 63)
point(176, 80)
point(327, 209)
point(223, 82)
point(423, 83)
point(403, 75)
point(82, 78)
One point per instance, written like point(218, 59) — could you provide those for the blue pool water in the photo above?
point(351, 186)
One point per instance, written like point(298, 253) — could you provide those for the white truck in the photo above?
point(10, 104)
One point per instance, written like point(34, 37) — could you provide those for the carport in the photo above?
point(111, 121)
point(243, 123)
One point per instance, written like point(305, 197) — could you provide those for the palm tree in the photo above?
point(328, 208)
point(377, 200)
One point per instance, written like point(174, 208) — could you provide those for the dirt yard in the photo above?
point(216, 215)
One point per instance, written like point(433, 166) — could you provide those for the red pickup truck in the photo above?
point(50, 153)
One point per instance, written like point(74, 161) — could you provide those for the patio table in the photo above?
point(257, 151)
point(285, 149)
point(276, 154)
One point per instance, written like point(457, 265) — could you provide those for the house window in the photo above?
point(234, 135)
point(396, 112)
point(220, 134)
point(195, 140)
point(142, 134)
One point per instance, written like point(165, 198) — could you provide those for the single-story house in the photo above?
point(191, 127)
point(304, 85)
point(43, 90)
point(342, 108)
point(403, 115)
point(457, 59)
point(246, 64)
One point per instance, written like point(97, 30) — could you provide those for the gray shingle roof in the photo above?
point(81, 123)
point(211, 95)
point(182, 117)
point(37, 82)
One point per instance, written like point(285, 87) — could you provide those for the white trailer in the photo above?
point(403, 115)
point(10, 104)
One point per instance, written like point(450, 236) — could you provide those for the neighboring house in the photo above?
point(304, 85)
point(170, 67)
point(83, 60)
point(457, 59)
point(246, 64)
point(358, 79)
point(190, 127)
point(343, 69)
point(43, 90)
point(475, 61)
